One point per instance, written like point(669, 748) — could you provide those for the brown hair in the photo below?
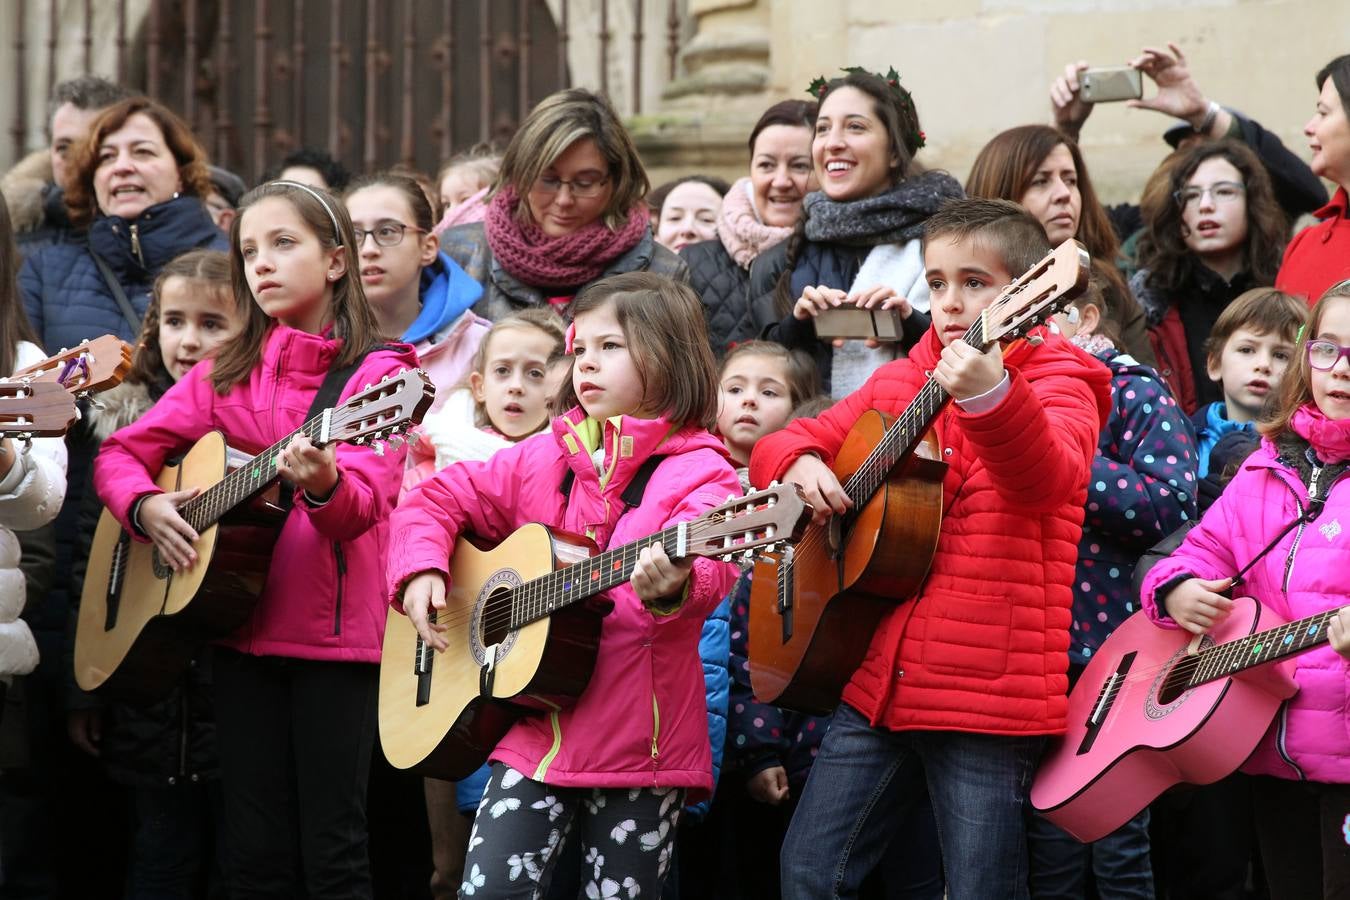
point(803, 379)
point(536, 317)
point(208, 268)
point(667, 333)
point(191, 158)
point(1261, 311)
point(811, 407)
point(793, 113)
point(1171, 264)
point(999, 225)
point(1338, 70)
point(1296, 388)
point(1004, 169)
point(405, 185)
point(1093, 295)
point(14, 325)
point(555, 124)
point(353, 320)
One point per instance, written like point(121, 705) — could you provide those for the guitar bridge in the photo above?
point(112, 601)
point(785, 582)
point(1105, 699)
point(423, 659)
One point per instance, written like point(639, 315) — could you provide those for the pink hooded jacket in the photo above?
point(324, 598)
point(1303, 575)
point(642, 721)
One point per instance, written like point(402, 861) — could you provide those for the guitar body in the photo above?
point(1132, 734)
point(445, 723)
point(140, 622)
point(844, 576)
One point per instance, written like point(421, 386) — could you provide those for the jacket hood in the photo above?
point(447, 291)
point(163, 231)
point(1213, 418)
point(627, 442)
point(26, 187)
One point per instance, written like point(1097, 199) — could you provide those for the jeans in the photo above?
point(1119, 862)
point(864, 782)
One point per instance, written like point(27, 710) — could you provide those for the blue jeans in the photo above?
point(867, 779)
point(1119, 862)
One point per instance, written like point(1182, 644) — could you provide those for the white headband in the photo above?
point(337, 232)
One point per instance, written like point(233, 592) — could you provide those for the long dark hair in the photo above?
point(1172, 266)
point(14, 325)
point(353, 320)
point(899, 119)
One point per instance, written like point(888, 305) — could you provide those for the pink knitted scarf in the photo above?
point(541, 261)
point(1330, 438)
point(739, 226)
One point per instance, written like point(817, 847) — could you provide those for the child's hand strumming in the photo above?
point(1196, 605)
point(422, 594)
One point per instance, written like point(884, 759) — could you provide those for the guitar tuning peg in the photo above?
point(378, 448)
point(396, 441)
point(361, 440)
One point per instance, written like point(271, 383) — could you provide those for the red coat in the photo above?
point(1319, 256)
point(1168, 339)
point(984, 646)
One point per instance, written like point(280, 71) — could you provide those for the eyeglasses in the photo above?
point(1324, 355)
point(386, 234)
point(582, 188)
point(1220, 191)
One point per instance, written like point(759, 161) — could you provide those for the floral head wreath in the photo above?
point(917, 139)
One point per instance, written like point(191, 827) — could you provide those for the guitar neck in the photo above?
point(905, 433)
point(208, 507)
point(1223, 660)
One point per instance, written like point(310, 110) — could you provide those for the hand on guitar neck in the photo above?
point(1338, 632)
point(820, 486)
point(310, 468)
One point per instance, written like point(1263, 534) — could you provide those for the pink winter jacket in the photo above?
point(447, 363)
point(1309, 738)
point(642, 720)
point(324, 595)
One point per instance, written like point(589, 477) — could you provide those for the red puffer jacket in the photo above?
point(984, 646)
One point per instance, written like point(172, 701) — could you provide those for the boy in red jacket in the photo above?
point(961, 684)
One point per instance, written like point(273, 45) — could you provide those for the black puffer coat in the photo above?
point(724, 288)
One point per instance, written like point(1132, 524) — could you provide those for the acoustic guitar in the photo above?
point(39, 400)
point(815, 606)
point(523, 625)
point(140, 622)
point(1156, 707)
point(40, 409)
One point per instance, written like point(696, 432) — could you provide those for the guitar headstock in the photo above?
point(93, 366)
point(1043, 290)
point(37, 409)
point(381, 411)
point(765, 518)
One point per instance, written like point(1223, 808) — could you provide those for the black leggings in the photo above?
point(1303, 828)
point(295, 738)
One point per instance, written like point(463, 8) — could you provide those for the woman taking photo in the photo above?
point(758, 212)
point(566, 209)
point(1040, 169)
point(1217, 232)
point(1319, 257)
point(858, 241)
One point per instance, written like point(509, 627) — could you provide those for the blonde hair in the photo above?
point(538, 318)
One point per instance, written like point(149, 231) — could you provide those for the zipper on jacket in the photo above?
point(541, 771)
point(341, 578)
point(656, 729)
point(136, 244)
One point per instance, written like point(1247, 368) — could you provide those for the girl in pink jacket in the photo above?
point(1302, 792)
point(617, 766)
point(295, 685)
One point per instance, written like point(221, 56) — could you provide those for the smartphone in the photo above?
point(885, 325)
point(1111, 84)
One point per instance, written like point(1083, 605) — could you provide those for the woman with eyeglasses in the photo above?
point(565, 210)
point(1216, 233)
point(1319, 257)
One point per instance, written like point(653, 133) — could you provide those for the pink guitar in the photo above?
point(1149, 712)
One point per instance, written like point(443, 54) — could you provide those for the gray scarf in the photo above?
point(893, 217)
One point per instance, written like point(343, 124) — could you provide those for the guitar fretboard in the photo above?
point(906, 431)
point(1232, 657)
point(204, 510)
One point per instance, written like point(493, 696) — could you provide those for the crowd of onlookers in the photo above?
point(1197, 305)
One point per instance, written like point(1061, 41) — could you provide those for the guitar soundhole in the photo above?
point(1177, 682)
point(495, 624)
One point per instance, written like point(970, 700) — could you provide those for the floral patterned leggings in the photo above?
point(627, 836)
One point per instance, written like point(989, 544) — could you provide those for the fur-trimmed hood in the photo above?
point(117, 408)
point(24, 187)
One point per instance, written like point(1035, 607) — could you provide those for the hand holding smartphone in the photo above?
point(1111, 84)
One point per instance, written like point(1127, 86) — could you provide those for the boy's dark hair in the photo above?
point(803, 378)
point(1260, 310)
point(211, 270)
point(1000, 225)
point(667, 333)
point(85, 92)
point(1338, 70)
point(332, 171)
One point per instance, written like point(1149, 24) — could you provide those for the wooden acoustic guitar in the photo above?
point(1156, 707)
point(38, 409)
point(815, 606)
point(523, 626)
point(140, 622)
point(39, 400)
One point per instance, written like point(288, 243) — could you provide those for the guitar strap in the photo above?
point(632, 495)
point(327, 395)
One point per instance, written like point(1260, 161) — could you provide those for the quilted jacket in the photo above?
point(983, 647)
point(67, 299)
point(724, 287)
point(503, 294)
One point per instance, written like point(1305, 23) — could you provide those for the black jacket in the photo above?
point(723, 286)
